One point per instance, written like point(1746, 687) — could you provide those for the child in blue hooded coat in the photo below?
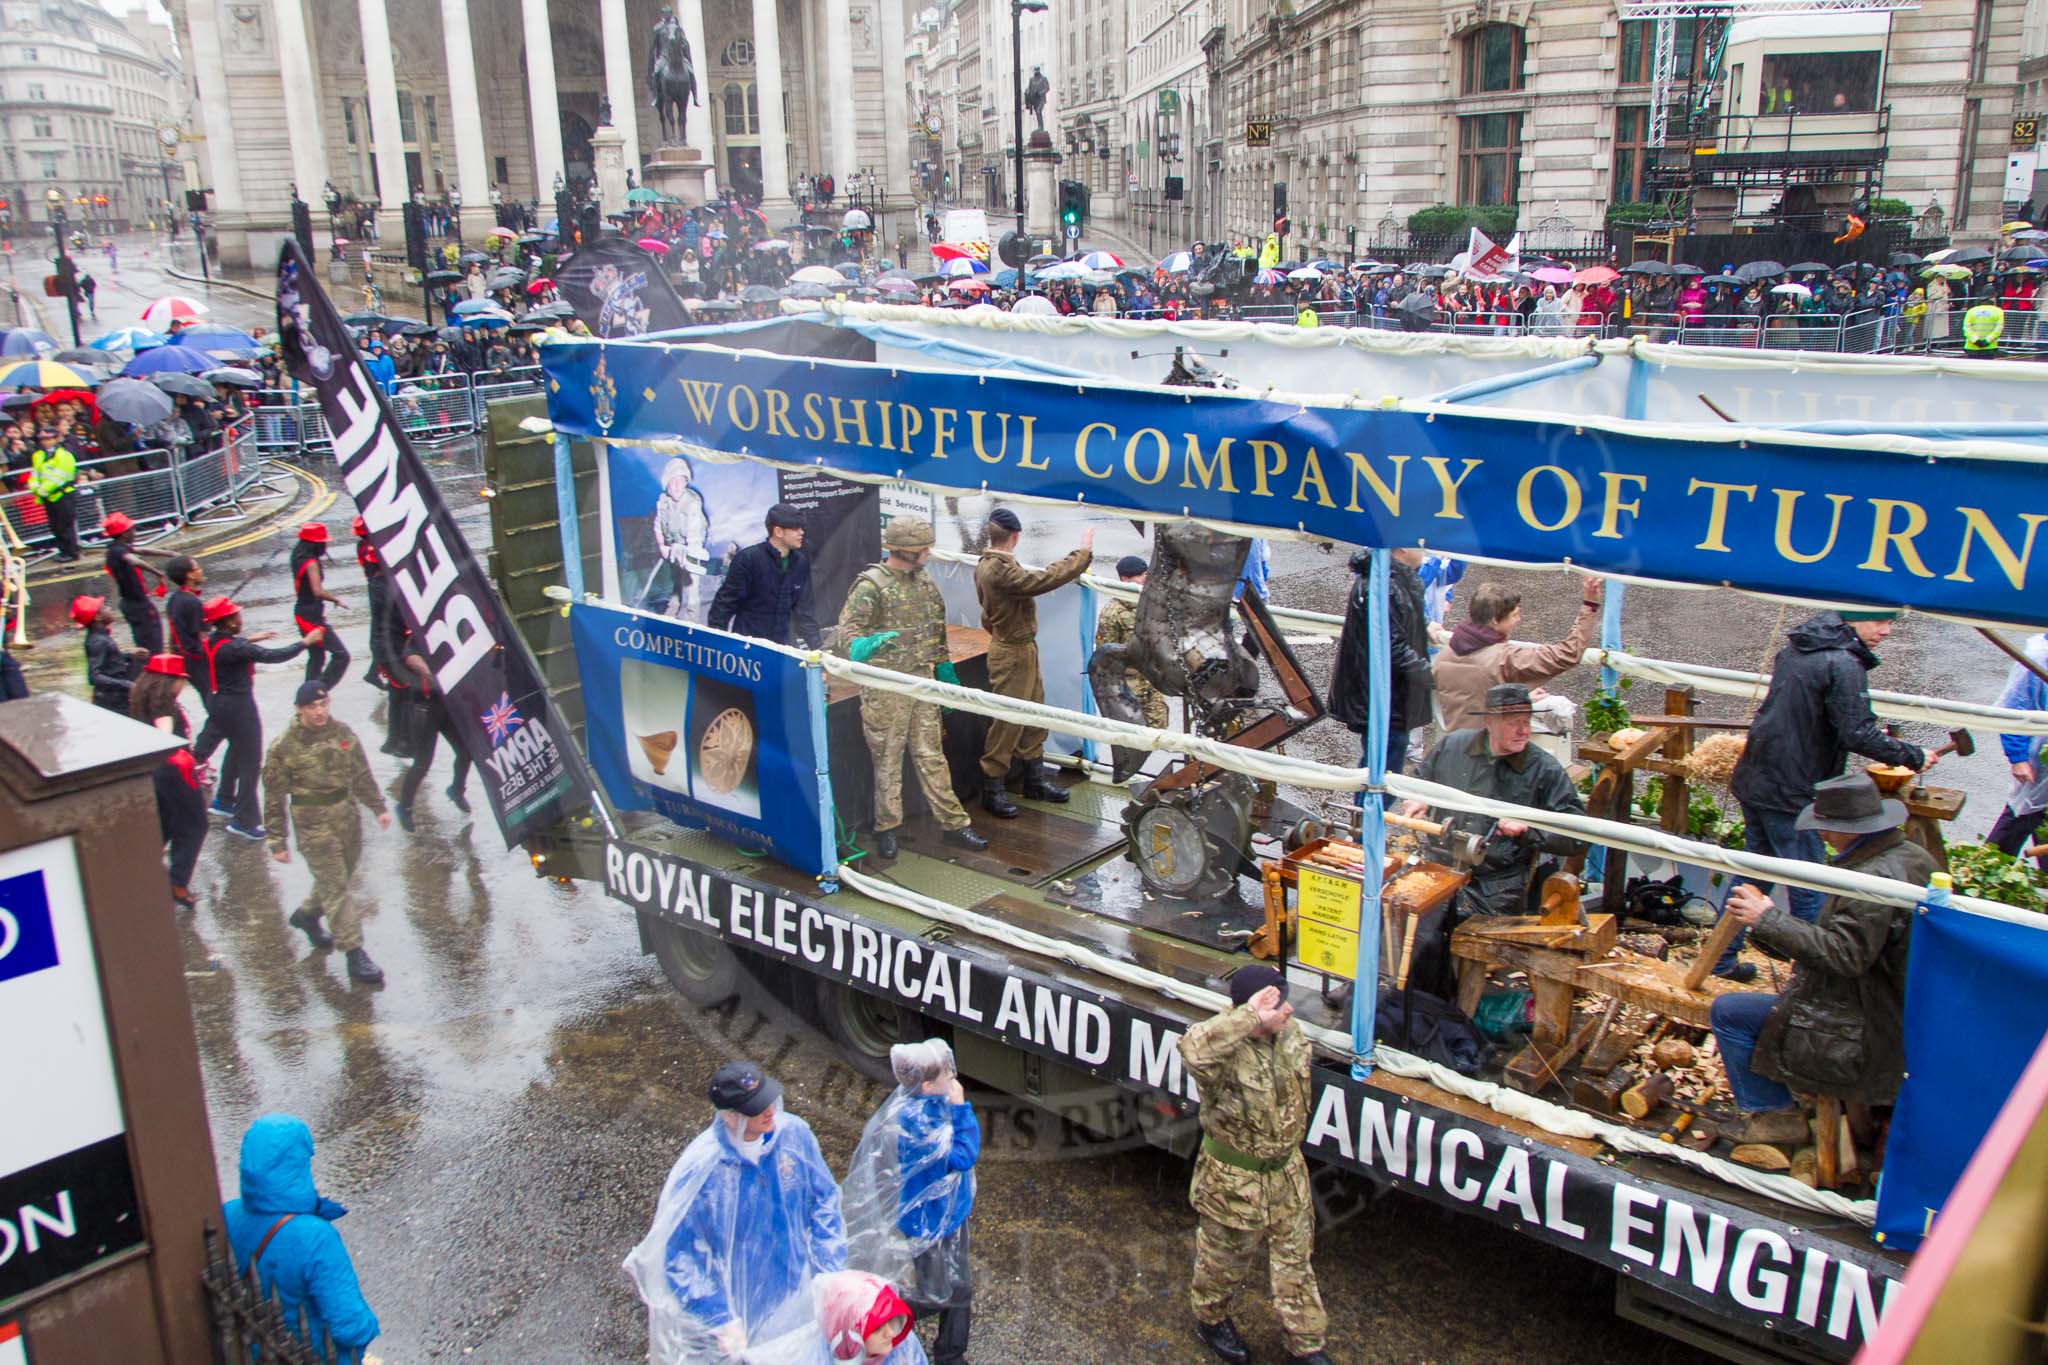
point(284, 1225)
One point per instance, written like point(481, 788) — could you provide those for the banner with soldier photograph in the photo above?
point(714, 731)
point(672, 524)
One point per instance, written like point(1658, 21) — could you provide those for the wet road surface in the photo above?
point(500, 1116)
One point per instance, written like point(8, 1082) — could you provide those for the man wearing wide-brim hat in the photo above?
point(1839, 1027)
point(1494, 760)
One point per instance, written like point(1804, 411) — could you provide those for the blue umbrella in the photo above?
point(1006, 279)
point(25, 342)
point(128, 339)
point(169, 360)
point(218, 340)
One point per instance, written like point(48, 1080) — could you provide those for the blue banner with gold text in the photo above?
point(1791, 516)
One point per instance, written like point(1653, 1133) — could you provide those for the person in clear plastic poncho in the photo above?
point(910, 1188)
point(747, 1219)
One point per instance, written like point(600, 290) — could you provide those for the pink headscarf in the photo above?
point(851, 1304)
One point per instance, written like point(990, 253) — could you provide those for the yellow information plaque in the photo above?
point(1325, 948)
point(1327, 899)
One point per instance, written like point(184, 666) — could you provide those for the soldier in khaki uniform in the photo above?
point(1251, 1180)
point(1116, 623)
point(320, 765)
point(895, 617)
point(1010, 616)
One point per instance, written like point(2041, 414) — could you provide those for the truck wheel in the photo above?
point(703, 970)
point(865, 1027)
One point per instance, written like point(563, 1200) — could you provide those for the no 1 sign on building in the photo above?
point(67, 1194)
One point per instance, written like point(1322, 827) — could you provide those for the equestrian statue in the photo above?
point(672, 77)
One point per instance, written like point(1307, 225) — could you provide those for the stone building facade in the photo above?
point(484, 100)
point(1377, 110)
point(84, 97)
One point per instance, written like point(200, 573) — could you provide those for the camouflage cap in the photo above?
point(907, 533)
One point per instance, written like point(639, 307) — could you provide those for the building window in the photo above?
point(406, 131)
point(49, 162)
point(501, 172)
point(348, 119)
point(39, 126)
point(1489, 157)
point(1639, 50)
point(28, 54)
point(738, 52)
point(1493, 59)
point(36, 92)
point(1820, 82)
point(1631, 154)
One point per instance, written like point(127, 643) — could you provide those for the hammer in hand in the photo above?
point(1960, 743)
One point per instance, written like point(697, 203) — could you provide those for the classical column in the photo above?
point(768, 75)
point(387, 133)
point(691, 12)
point(301, 104)
point(845, 157)
point(618, 78)
point(540, 95)
point(895, 111)
point(223, 166)
point(472, 169)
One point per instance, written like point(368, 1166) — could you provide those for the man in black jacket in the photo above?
point(1839, 1027)
point(767, 586)
point(1409, 682)
point(1816, 714)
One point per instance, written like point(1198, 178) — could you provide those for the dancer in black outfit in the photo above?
point(326, 655)
point(231, 660)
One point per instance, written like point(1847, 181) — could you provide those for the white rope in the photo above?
point(1281, 768)
point(1733, 682)
point(1552, 1118)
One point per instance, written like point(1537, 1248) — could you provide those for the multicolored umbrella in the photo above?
point(173, 308)
point(1102, 260)
point(1179, 263)
point(43, 374)
point(963, 266)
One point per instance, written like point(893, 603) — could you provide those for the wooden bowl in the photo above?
point(1890, 779)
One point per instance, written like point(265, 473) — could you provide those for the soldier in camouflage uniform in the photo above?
point(1010, 615)
point(1116, 623)
point(320, 765)
point(1251, 1063)
point(895, 617)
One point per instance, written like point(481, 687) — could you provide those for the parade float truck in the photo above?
point(1066, 960)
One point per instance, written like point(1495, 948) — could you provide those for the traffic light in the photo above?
point(1073, 206)
point(415, 236)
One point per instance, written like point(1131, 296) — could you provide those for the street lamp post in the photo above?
point(1017, 9)
point(67, 274)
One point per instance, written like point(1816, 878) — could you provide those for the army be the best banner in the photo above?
point(495, 695)
point(1807, 516)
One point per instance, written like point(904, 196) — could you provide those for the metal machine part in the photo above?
point(1189, 843)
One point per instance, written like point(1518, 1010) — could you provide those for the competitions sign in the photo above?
point(1326, 923)
point(496, 699)
point(1748, 1267)
point(1788, 514)
point(67, 1193)
point(711, 730)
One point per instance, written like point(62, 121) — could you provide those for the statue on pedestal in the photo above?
point(1035, 91)
point(671, 77)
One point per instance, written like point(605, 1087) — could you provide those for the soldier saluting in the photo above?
point(320, 765)
point(894, 610)
point(1010, 615)
point(1251, 1180)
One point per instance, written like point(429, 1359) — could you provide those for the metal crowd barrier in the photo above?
point(431, 408)
point(503, 384)
point(166, 493)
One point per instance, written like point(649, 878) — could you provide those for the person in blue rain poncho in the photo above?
point(283, 1224)
point(747, 1218)
point(910, 1189)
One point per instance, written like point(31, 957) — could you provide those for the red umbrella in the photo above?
point(538, 285)
point(1597, 274)
point(654, 244)
point(948, 251)
point(967, 284)
point(79, 396)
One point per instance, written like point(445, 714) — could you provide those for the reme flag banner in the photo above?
point(618, 290)
point(499, 706)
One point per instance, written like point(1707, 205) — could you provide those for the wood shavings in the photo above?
point(1713, 759)
point(1625, 736)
